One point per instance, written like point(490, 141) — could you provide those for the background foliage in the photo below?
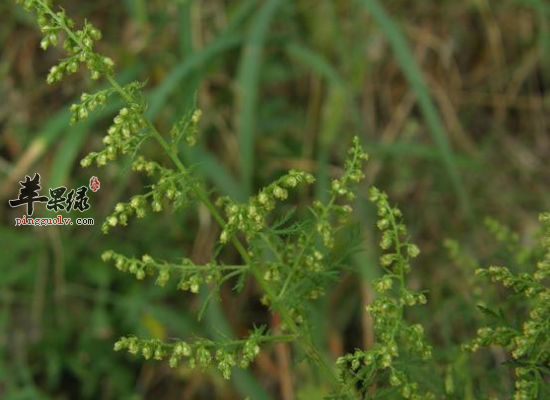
point(448, 98)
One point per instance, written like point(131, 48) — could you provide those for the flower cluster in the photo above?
point(202, 353)
point(395, 338)
point(190, 275)
point(308, 259)
point(250, 218)
point(324, 225)
point(88, 103)
point(175, 187)
point(78, 43)
point(527, 344)
point(353, 167)
point(341, 187)
point(187, 128)
point(126, 133)
point(362, 367)
point(123, 211)
point(123, 137)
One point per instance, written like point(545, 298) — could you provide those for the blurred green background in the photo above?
point(449, 99)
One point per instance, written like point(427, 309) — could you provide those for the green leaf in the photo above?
point(248, 89)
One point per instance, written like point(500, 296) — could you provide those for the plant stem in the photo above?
point(297, 333)
point(401, 261)
point(241, 342)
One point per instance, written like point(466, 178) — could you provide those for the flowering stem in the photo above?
point(297, 333)
point(398, 251)
point(241, 342)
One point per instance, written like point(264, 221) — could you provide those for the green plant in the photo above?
point(290, 260)
point(527, 340)
point(292, 256)
point(398, 343)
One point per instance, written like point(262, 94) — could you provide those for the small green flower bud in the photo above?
point(108, 62)
point(120, 344)
point(196, 116)
point(107, 255)
point(95, 33)
point(280, 193)
point(156, 206)
point(82, 113)
point(85, 162)
point(290, 182)
point(262, 198)
point(182, 349)
point(394, 380)
point(140, 274)
point(87, 42)
point(45, 43)
point(101, 160)
point(383, 224)
point(374, 194)
point(72, 67)
point(163, 277)
point(413, 251)
point(173, 362)
point(147, 352)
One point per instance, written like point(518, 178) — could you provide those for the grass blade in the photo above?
point(248, 82)
point(431, 115)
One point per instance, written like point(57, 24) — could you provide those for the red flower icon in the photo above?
point(94, 184)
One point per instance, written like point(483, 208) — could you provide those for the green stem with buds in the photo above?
point(297, 333)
